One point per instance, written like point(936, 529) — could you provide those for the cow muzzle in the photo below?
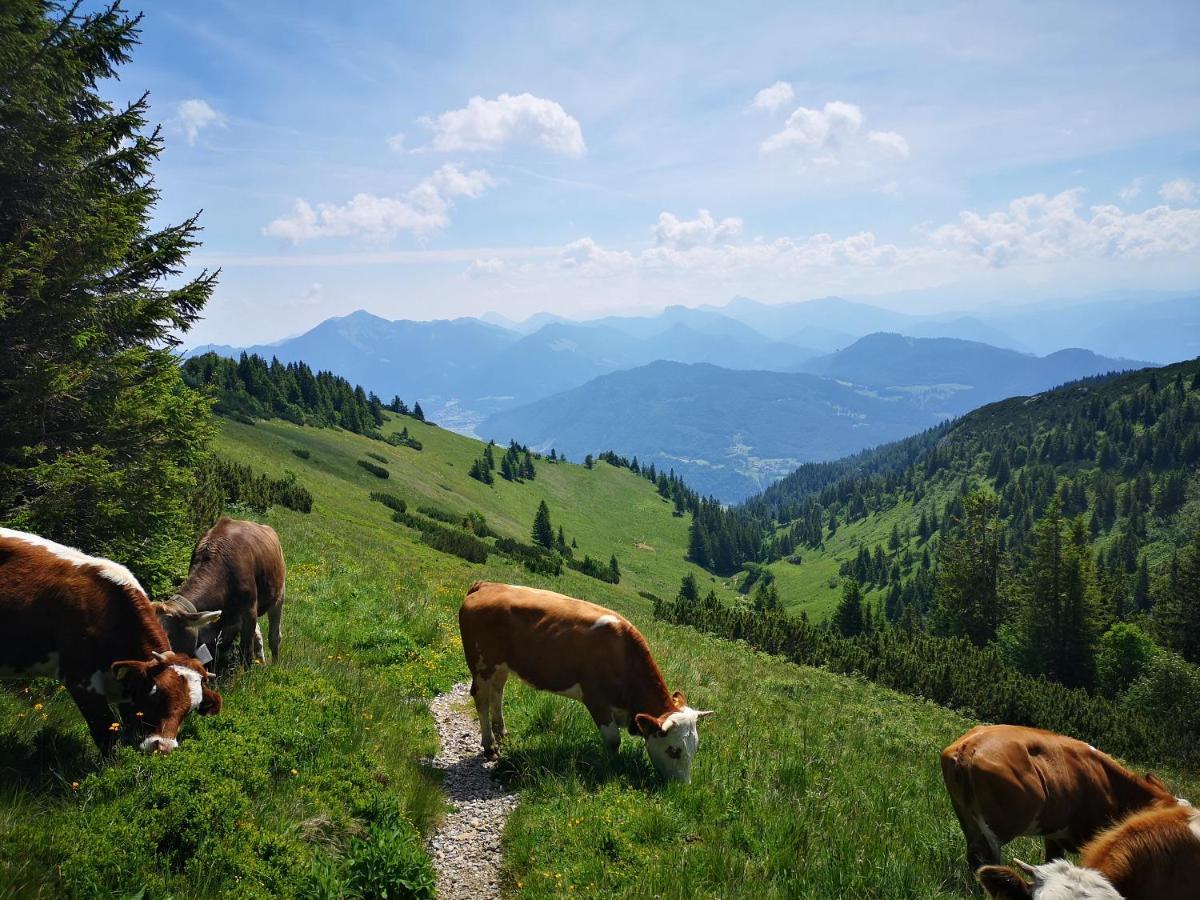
point(156, 743)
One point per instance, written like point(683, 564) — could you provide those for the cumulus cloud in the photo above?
point(1179, 192)
point(771, 99)
point(1034, 229)
point(423, 210)
point(193, 116)
point(704, 229)
point(490, 124)
point(833, 134)
point(1039, 228)
point(485, 268)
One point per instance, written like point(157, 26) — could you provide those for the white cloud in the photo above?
point(589, 258)
point(833, 134)
point(423, 210)
point(396, 142)
point(889, 140)
point(490, 124)
point(1179, 192)
point(1131, 191)
point(685, 233)
point(771, 99)
point(193, 116)
point(312, 295)
point(484, 268)
point(1038, 228)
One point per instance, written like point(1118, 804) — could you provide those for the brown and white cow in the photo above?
point(87, 622)
point(237, 574)
point(1009, 781)
point(579, 650)
point(1152, 855)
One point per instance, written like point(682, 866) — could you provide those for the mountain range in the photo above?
point(732, 433)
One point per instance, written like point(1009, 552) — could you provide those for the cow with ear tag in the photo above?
point(578, 650)
point(236, 575)
point(86, 621)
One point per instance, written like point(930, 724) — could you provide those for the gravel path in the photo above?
point(466, 848)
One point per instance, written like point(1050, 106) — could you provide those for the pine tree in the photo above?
point(688, 591)
point(614, 571)
point(417, 412)
point(848, 617)
point(100, 437)
point(543, 531)
point(967, 600)
point(1177, 614)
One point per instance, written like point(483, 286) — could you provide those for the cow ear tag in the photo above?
point(203, 655)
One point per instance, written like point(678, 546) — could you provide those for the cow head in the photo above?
point(1058, 880)
point(163, 690)
point(188, 630)
point(671, 738)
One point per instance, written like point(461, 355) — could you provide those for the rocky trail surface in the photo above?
point(466, 847)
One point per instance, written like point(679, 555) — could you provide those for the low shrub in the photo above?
point(536, 559)
point(221, 482)
point(391, 501)
point(303, 454)
point(378, 456)
point(593, 568)
point(377, 471)
point(448, 540)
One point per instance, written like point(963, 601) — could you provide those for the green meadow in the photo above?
point(310, 783)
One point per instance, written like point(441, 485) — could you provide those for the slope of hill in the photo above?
point(311, 775)
point(951, 376)
point(727, 432)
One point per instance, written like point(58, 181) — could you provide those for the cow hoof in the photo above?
point(491, 753)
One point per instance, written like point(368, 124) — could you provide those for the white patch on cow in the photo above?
point(106, 568)
point(47, 667)
point(104, 684)
point(158, 742)
point(193, 682)
point(611, 732)
point(604, 621)
point(1194, 823)
point(575, 692)
point(1060, 880)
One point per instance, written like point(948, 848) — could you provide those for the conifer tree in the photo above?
point(543, 531)
point(688, 591)
point(848, 617)
point(99, 436)
point(967, 600)
point(417, 412)
point(614, 571)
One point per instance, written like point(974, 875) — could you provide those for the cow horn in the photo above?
point(704, 713)
point(161, 657)
point(1025, 867)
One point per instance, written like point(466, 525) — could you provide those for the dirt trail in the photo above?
point(466, 847)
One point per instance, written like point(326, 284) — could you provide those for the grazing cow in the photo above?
point(87, 622)
point(579, 650)
point(1008, 781)
point(1152, 855)
point(237, 575)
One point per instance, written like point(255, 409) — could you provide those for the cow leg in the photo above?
point(98, 715)
point(274, 635)
point(481, 690)
point(1055, 850)
point(983, 847)
point(250, 648)
point(496, 702)
point(610, 731)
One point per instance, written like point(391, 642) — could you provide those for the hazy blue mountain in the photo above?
point(728, 432)
point(417, 360)
point(952, 376)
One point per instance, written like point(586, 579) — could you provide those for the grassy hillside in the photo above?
point(310, 784)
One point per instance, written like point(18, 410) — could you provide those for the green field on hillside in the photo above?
point(806, 784)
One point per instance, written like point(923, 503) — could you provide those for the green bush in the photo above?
point(378, 456)
point(447, 540)
point(389, 860)
point(536, 559)
point(377, 471)
point(303, 454)
point(391, 501)
point(222, 482)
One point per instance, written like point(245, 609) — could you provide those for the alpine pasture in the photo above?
point(311, 783)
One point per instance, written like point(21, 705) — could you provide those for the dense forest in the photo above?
point(252, 388)
point(1059, 533)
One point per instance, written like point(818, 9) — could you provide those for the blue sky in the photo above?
point(435, 160)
